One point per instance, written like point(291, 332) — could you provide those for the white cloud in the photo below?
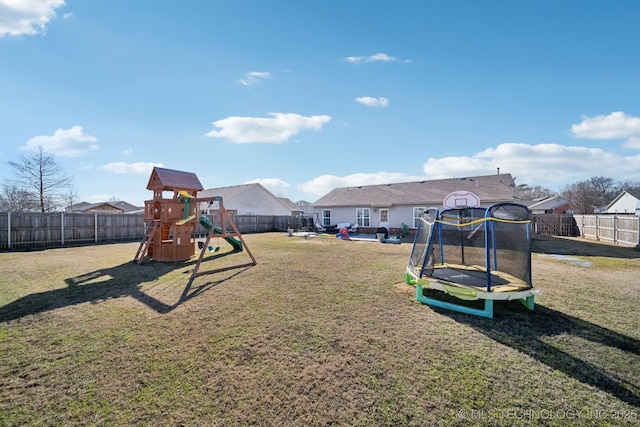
point(633, 143)
point(128, 151)
point(373, 102)
point(140, 168)
point(325, 183)
point(378, 57)
point(86, 166)
point(19, 17)
point(71, 142)
point(254, 77)
point(615, 125)
point(275, 185)
point(549, 165)
point(275, 130)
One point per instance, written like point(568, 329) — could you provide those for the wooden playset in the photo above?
point(170, 224)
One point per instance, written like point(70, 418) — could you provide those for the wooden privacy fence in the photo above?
point(616, 229)
point(29, 229)
point(554, 225)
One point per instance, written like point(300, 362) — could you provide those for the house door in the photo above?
point(383, 218)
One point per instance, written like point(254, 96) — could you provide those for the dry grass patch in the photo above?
point(320, 332)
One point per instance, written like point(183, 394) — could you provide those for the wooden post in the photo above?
point(9, 230)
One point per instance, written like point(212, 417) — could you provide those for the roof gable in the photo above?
point(635, 193)
point(254, 191)
point(294, 207)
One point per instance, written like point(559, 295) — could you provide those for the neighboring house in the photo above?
point(246, 199)
point(392, 205)
point(116, 207)
point(295, 209)
point(627, 202)
point(551, 205)
point(305, 207)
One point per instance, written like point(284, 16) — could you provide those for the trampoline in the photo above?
point(473, 254)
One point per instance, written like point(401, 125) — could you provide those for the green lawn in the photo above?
point(319, 332)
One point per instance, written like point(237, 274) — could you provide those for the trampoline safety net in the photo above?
point(497, 238)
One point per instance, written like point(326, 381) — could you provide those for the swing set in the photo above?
point(170, 224)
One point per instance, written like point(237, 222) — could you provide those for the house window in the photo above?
point(417, 213)
point(363, 216)
point(384, 215)
point(326, 217)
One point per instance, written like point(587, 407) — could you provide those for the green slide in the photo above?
point(235, 243)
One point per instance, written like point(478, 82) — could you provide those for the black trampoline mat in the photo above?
point(477, 278)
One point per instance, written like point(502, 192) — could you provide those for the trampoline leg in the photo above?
point(528, 302)
point(408, 279)
point(487, 312)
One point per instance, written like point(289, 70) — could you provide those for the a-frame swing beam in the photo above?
point(225, 219)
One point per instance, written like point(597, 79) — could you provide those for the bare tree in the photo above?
point(14, 199)
point(40, 175)
point(629, 185)
point(587, 196)
point(524, 192)
point(71, 197)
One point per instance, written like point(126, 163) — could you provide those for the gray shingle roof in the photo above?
point(227, 192)
point(635, 192)
point(489, 188)
point(549, 203)
point(120, 205)
point(290, 204)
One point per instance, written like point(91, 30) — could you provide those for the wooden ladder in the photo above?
point(147, 238)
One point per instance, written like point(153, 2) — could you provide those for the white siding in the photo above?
point(625, 204)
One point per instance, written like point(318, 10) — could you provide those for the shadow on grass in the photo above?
point(525, 331)
point(580, 246)
point(115, 282)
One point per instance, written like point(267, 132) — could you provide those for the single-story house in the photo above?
point(305, 207)
point(392, 205)
point(295, 209)
point(247, 199)
point(115, 207)
point(551, 205)
point(627, 202)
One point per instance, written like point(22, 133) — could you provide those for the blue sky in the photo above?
point(307, 96)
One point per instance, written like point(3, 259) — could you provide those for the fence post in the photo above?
point(615, 229)
point(9, 230)
point(61, 228)
point(95, 227)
